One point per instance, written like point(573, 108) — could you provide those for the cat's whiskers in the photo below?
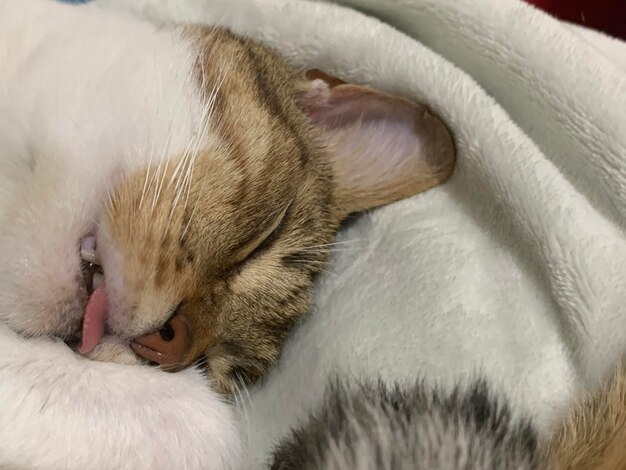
point(185, 161)
point(240, 401)
point(325, 247)
point(210, 105)
point(154, 181)
point(147, 175)
point(178, 172)
point(183, 173)
point(184, 180)
point(165, 151)
point(200, 364)
point(162, 180)
point(322, 250)
point(193, 211)
point(179, 176)
point(428, 232)
point(161, 171)
point(110, 196)
point(332, 245)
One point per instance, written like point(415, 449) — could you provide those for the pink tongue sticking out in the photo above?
point(93, 322)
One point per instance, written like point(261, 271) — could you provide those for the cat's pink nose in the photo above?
point(167, 347)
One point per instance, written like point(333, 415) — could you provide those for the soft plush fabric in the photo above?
point(516, 268)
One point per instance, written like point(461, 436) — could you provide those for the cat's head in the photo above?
point(209, 256)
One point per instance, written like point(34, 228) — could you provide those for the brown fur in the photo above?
point(593, 434)
point(208, 257)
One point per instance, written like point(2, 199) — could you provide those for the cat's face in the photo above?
point(209, 257)
point(232, 256)
point(227, 239)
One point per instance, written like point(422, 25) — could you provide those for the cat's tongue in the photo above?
point(93, 321)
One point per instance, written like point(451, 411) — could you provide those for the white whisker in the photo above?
point(147, 175)
point(241, 402)
point(193, 211)
point(184, 172)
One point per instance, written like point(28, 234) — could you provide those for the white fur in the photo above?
point(60, 411)
point(86, 97)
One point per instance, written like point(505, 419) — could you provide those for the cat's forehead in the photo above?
point(265, 152)
point(252, 157)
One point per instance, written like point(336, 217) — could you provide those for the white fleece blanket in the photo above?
point(515, 268)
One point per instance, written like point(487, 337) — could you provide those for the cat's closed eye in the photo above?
point(259, 243)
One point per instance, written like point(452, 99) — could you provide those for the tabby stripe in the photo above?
point(268, 98)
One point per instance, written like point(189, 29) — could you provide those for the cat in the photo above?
point(168, 193)
point(373, 426)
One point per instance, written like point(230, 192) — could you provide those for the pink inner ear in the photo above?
point(348, 104)
point(382, 147)
point(375, 132)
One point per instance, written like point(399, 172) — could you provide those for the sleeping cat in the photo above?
point(168, 193)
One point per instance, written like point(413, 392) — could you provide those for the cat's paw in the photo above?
point(112, 349)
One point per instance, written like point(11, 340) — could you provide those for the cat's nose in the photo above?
point(166, 347)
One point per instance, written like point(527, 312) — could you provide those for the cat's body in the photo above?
point(377, 427)
point(367, 426)
point(174, 188)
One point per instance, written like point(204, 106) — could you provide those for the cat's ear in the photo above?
point(382, 148)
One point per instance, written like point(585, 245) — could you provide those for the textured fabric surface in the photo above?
point(516, 268)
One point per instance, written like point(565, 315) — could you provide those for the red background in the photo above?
point(608, 16)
